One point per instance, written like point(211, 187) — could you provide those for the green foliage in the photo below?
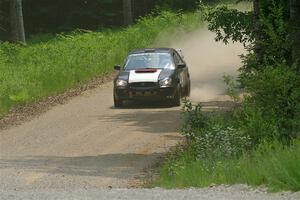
point(225, 152)
point(275, 44)
point(211, 138)
point(271, 110)
point(237, 26)
point(275, 97)
point(229, 24)
point(255, 124)
point(195, 122)
point(220, 142)
point(31, 73)
point(272, 165)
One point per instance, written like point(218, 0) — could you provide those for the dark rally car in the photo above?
point(152, 74)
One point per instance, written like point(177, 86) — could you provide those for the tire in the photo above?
point(177, 98)
point(118, 102)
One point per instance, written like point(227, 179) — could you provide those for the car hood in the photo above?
point(145, 75)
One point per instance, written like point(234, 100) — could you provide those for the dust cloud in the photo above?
point(208, 61)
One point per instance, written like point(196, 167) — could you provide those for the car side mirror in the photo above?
point(181, 66)
point(117, 67)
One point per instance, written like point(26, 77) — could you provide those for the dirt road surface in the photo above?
point(87, 144)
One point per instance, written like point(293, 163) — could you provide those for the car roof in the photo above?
point(152, 50)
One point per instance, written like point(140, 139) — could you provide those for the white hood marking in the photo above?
point(143, 77)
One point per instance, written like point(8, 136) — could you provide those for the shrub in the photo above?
point(273, 109)
point(212, 138)
point(220, 142)
point(194, 121)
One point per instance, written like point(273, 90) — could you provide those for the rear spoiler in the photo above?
point(180, 53)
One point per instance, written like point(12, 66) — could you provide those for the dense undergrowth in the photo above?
point(31, 73)
point(257, 143)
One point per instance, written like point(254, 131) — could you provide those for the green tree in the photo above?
point(270, 33)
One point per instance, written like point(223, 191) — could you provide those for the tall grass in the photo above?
point(274, 166)
point(31, 73)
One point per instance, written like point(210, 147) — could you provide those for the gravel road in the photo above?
point(79, 149)
point(86, 143)
point(237, 192)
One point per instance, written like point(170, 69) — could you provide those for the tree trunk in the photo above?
point(127, 12)
point(257, 31)
point(16, 21)
point(295, 33)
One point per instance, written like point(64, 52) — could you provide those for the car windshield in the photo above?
point(149, 60)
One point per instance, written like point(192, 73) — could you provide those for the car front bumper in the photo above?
point(153, 93)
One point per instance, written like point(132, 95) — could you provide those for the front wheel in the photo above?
point(118, 102)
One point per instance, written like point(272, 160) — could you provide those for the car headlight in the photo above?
point(167, 82)
point(121, 83)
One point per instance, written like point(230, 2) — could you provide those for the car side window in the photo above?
point(178, 59)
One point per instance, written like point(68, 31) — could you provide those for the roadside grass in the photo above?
point(271, 165)
point(31, 73)
point(218, 150)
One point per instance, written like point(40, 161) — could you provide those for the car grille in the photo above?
point(143, 84)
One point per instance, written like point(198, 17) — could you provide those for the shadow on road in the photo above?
point(150, 118)
point(121, 166)
point(144, 105)
point(149, 121)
